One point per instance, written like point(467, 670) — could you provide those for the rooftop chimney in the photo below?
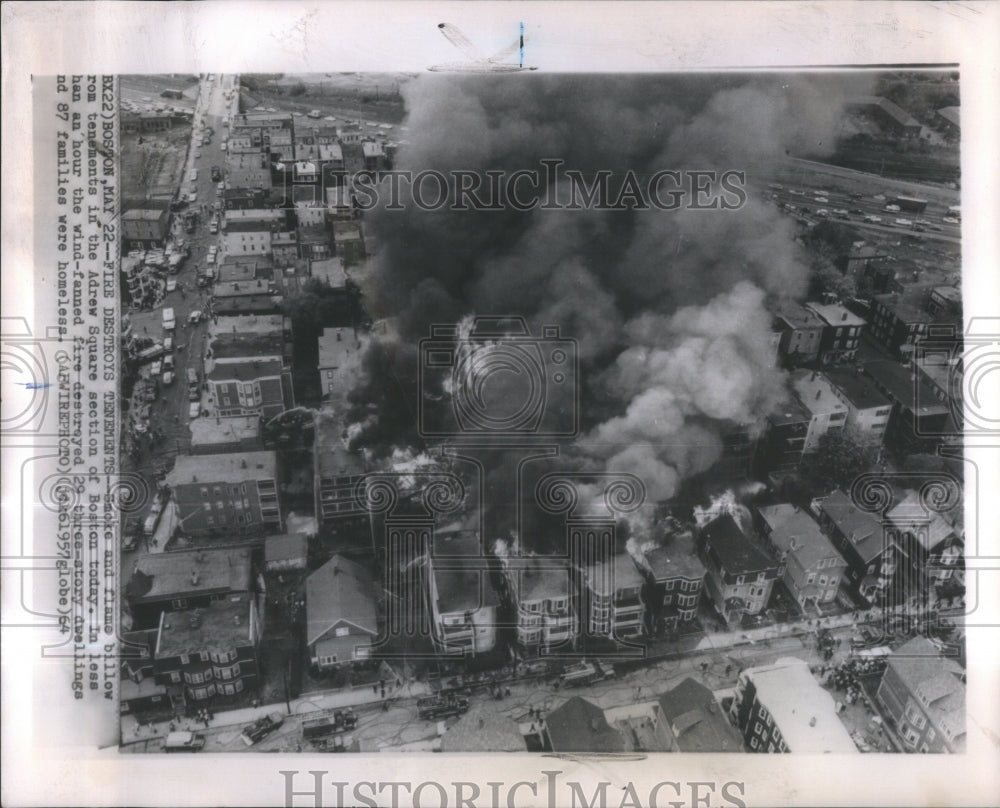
point(194, 578)
point(843, 316)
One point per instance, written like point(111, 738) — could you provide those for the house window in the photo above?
point(178, 604)
point(753, 743)
point(931, 735)
point(175, 676)
point(341, 631)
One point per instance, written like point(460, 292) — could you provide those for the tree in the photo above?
point(825, 277)
point(845, 454)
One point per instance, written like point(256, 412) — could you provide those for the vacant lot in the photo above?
point(152, 165)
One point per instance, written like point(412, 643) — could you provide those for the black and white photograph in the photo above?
point(590, 420)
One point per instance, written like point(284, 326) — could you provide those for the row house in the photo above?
point(245, 198)
point(145, 228)
point(934, 545)
point(342, 614)
point(241, 298)
point(872, 555)
point(462, 600)
point(165, 582)
point(341, 359)
point(615, 608)
point(801, 331)
point(813, 567)
point(339, 203)
point(349, 242)
point(841, 332)
point(140, 695)
point(248, 237)
point(945, 302)
point(918, 419)
point(230, 336)
point(676, 576)
point(209, 655)
point(373, 155)
point(314, 242)
point(544, 595)
point(899, 321)
point(689, 719)
point(741, 575)
point(782, 708)
point(783, 440)
point(231, 494)
point(251, 170)
point(924, 695)
point(868, 409)
point(243, 386)
point(827, 412)
point(338, 476)
point(578, 725)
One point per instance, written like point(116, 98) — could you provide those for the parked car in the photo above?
point(155, 513)
point(168, 378)
point(194, 317)
point(194, 410)
point(168, 344)
point(213, 227)
point(261, 728)
point(584, 673)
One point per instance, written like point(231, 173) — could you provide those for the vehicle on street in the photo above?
point(168, 344)
point(873, 219)
point(131, 533)
point(210, 258)
point(261, 728)
point(821, 199)
point(584, 673)
point(340, 721)
point(168, 361)
point(153, 352)
point(192, 197)
point(950, 220)
point(213, 227)
point(822, 213)
point(893, 208)
point(171, 285)
point(904, 223)
point(194, 410)
point(193, 175)
point(184, 742)
point(155, 513)
point(216, 174)
point(156, 368)
point(441, 706)
point(168, 319)
point(168, 377)
point(194, 317)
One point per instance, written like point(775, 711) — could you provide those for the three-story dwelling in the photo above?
point(544, 593)
point(462, 600)
point(676, 575)
point(872, 555)
point(813, 567)
point(614, 594)
point(924, 695)
point(741, 575)
point(234, 494)
point(209, 654)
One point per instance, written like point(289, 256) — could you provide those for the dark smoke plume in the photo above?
point(668, 307)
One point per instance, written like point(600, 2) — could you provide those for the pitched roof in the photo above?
point(862, 529)
point(675, 557)
point(340, 590)
point(284, 548)
point(461, 586)
point(697, 721)
point(483, 729)
point(732, 547)
point(790, 525)
point(580, 726)
point(934, 680)
point(910, 512)
point(858, 389)
point(620, 573)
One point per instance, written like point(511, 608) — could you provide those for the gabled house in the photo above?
point(689, 719)
point(924, 696)
point(813, 567)
point(342, 609)
point(741, 575)
point(872, 555)
point(544, 596)
point(580, 726)
point(935, 546)
point(483, 729)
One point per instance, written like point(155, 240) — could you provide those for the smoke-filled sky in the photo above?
point(668, 307)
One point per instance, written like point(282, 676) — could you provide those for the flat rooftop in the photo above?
point(857, 388)
point(797, 315)
point(333, 458)
point(790, 525)
point(674, 556)
point(623, 574)
point(223, 468)
point(803, 711)
point(244, 370)
point(220, 626)
point(816, 393)
point(208, 431)
point(903, 385)
point(160, 576)
point(835, 314)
